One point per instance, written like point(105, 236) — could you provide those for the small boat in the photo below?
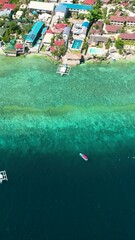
point(84, 157)
point(3, 176)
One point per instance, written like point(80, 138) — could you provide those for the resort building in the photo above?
point(80, 8)
point(89, 2)
point(61, 11)
point(113, 28)
point(20, 49)
point(117, 20)
point(127, 36)
point(41, 7)
point(120, 20)
point(80, 30)
point(34, 34)
point(130, 21)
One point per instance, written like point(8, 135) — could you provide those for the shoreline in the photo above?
point(118, 58)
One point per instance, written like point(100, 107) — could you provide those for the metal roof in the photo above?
point(34, 31)
point(78, 6)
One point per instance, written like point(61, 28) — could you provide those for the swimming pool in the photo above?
point(96, 50)
point(77, 44)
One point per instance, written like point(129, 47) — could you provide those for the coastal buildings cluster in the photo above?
point(68, 31)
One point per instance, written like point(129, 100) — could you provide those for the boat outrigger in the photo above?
point(63, 69)
point(84, 157)
point(3, 176)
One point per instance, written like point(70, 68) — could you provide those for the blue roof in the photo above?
point(61, 8)
point(44, 30)
point(78, 6)
point(34, 31)
point(85, 24)
point(66, 30)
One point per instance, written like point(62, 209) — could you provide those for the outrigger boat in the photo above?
point(3, 176)
point(84, 157)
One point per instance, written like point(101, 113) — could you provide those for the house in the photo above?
point(113, 28)
point(59, 28)
point(117, 20)
point(19, 48)
point(41, 7)
point(2, 2)
point(9, 6)
point(89, 2)
point(66, 33)
point(48, 37)
point(80, 8)
point(5, 13)
point(61, 11)
point(96, 39)
point(72, 59)
point(34, 34)
point(127, 36)
point(59, 43)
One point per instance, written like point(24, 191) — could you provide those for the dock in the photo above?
point(63, 69)
point(3, 176)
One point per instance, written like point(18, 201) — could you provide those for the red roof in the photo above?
point(49, 31)
point(60, 25)
point(127, 36)
point(9, 6)
point(59, 43)
point(2, 2)
point(118, 19)
point(124, 4)
point(89, 2)
point(113, 28)
point(19, 46)
point(130, 19)
point(52, 49)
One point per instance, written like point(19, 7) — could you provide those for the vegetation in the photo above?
point(85, 45)
point(119, 44)
point(109, 43)
point(59, 52)
point(95, 14)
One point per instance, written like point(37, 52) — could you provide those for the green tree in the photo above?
point(6, 37)
point(95, 14)
point(119, 44)
point(60, 51)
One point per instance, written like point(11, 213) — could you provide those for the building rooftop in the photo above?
point(78, 6)
point(9, 6)
point(112, 28)
point(43, 6)
point(34, 31)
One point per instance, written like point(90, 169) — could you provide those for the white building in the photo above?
point(41, 7)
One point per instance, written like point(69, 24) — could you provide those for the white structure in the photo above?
point(3, 176)
point(18, 14)
point(41, 6)
point(47, 38)
point(66, 1)
point(61, 11)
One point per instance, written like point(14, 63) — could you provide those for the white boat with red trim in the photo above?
point(84, 157)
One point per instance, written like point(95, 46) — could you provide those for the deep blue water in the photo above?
point(60, 196)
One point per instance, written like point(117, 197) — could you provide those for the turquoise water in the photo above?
point(77, 44)
point(45, 122)
point(96, 51)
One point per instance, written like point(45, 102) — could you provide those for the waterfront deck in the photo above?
point(63, 69)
